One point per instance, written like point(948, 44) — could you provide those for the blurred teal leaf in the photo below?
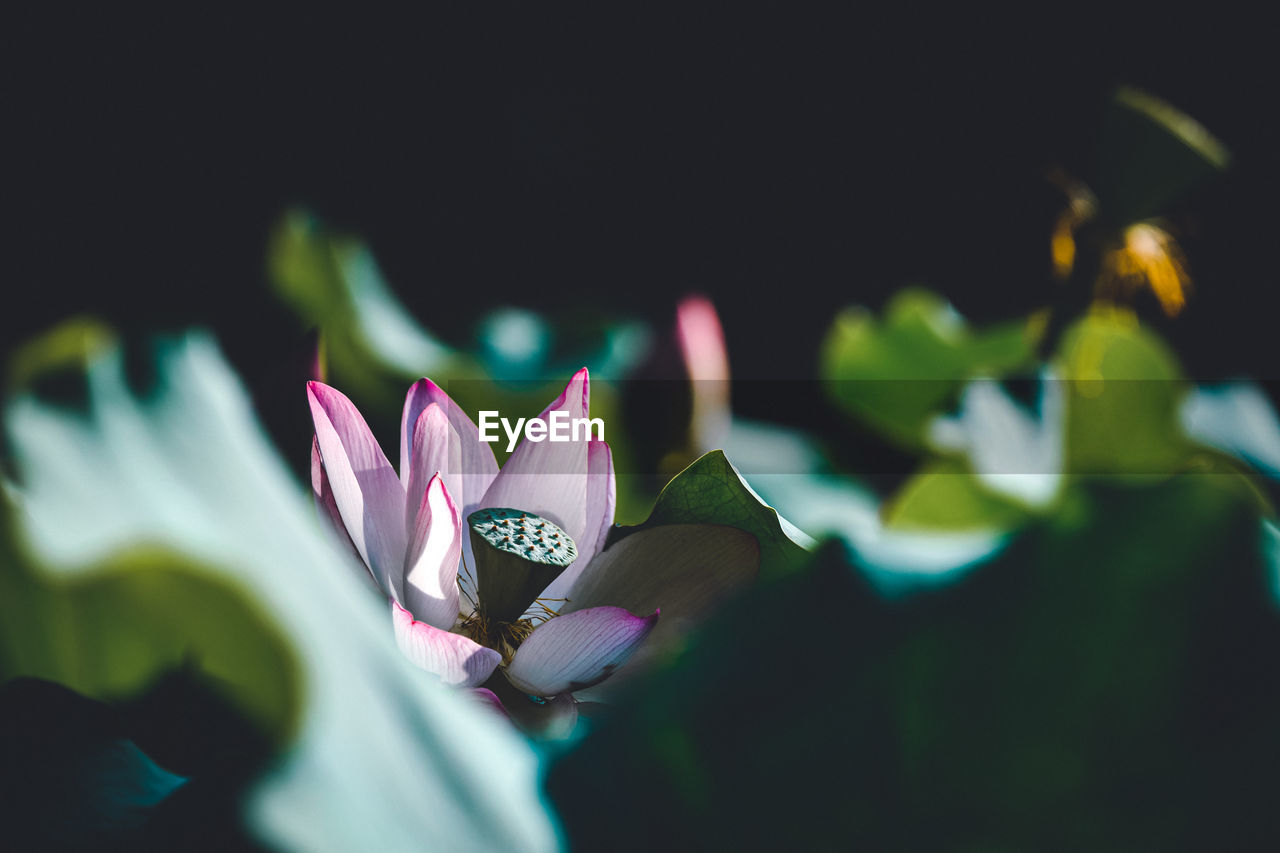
point(70, 777)
point(190, 471)
point(710, 491)
point(895, 374)
point(516, 345)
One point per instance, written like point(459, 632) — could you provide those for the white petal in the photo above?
point(476, 466)
point(431, 563)
point(684, 569)
point(365, 488)
point(571, 652)
point(601, 499)
point(459, 661)
point(332, 519)
point(549, 478)
point(1237, 419)
point(1011, 451)
point(435, 451)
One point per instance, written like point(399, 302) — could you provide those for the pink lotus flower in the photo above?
point(411, 532)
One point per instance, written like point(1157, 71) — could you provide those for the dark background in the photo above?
point(784, 162)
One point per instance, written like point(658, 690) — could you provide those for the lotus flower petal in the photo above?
point(487, 698)
point(571, 652)
point(366, 490)
point(476, 465)
point(457, 660)
point(707, 361)
point(549, 478)
point(431, 564)
point(434, 450)
point(686, 569)
point(331, 518)
point(601, 499)
point(552, 720)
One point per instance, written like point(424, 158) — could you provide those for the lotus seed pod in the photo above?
point(517, 555)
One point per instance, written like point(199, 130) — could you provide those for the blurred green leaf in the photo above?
point(1123, 388)
point(897, 373)
point(69, 345)
point(138, 615)
point(945, 495)
point(710, 491)
point(1149, 154)
point(370, 339)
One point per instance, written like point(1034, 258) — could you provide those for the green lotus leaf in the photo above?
point(710, 491)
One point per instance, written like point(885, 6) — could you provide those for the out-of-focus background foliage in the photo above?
point(594, 162)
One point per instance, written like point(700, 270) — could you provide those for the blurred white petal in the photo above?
point(894, 560)
point(1012, 452)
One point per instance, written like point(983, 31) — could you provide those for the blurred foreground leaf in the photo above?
point(71, 345)
point(189, 471)
point(1107, 683)
point(163, 771)
point(70, 778)
point(115, 630)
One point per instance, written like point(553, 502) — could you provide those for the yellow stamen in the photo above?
point(506, 637)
